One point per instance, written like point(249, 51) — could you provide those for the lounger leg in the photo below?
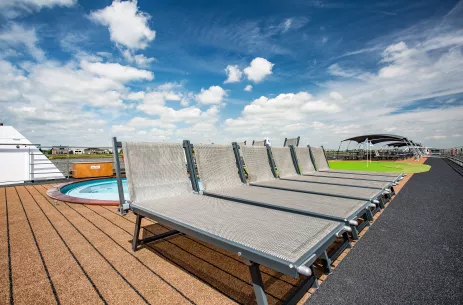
point(368, 215)
point(387, 198)
point(315, 284)
point(326, 262)
point(136, 233)
point(381, 202)
point(257, 284)
point(355, 233)
point(392, 191)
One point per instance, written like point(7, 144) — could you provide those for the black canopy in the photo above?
point(376, 138)
point(397, 144)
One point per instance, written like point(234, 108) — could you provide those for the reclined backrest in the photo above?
point(283, 161)
point(319, 158)
point(304, 160)
point(155, 170)
point(216, 166)
point(257, 163)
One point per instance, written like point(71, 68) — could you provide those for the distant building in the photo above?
point(96, 150)
point(59, 150)
point(78, 151)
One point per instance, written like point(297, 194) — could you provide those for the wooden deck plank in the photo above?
point(209, 259)
point(4, 251)
point(69, 280)
point(146, 282)
point(194, 288)
point(112, 287)
point(31, 285)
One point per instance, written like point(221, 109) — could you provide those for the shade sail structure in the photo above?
point(397, 144)
point(376, 138)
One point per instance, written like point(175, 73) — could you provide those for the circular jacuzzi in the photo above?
point(95, 191)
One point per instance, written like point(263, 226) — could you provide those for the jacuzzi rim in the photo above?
point(55, 193)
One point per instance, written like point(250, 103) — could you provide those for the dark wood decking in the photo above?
point(53, 252)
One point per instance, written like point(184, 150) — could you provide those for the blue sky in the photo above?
point(77, 72)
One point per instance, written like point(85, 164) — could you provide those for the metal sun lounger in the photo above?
point(221, 174)
point(161, 189)
point(262, 173)
point(322, 166)
point(295, 162)
point(287, 163)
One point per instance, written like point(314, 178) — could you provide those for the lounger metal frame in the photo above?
point(373, 175)
point(254, 258)
point(379, 199)
point(325, 257)
point(366, 212)
point(389, 187)
point(297, 141)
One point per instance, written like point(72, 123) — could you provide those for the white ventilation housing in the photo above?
point(22, 162)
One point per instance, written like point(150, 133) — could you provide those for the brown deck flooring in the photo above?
point(53, 252)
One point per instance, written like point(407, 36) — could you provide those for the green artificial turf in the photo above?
point(378, 166)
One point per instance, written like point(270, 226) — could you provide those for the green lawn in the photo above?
point(378, 166)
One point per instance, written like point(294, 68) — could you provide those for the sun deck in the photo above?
point(72, 253)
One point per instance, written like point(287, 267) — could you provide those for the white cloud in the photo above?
point(234, 74)
point(116, 71)
point(213, 95)
point(248, 88)
point(136, 96)
point(15, 8)
point(336, 96)
point(259, 69)
point(170, 86)
point(121, 128)
point(18, 36)
point(127, 25)
point(292, 23)
point(141, 122)
point(287, 24)
point(140, 59)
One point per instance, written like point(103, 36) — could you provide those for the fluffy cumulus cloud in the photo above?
point(213, 95)
point(248, 88)
point(127, 25)
point(258, 70)
point(234, 74)
point(281, 113)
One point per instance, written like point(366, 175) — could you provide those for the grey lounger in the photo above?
point(161, 189)
point(287, 162)
point(261, 173)
point(220, 177)
point(322, 166)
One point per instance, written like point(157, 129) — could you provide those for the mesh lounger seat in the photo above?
point(161, 189)
point(260, 174)
point(219, 174)
point(323, 168)
point(307, 168)
point(287, 171)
